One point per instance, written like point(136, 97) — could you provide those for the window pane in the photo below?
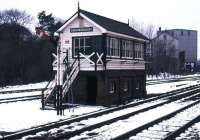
point(76, 51)
point(88, 41)
point(113, 47)
point(82, 49)
point(88, 50)
point(108, 46)
point(76, 40)
point(81, 41)
point(83, 45)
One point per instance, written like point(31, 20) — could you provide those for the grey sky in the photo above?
point(168, 14)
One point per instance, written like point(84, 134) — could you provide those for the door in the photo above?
point(91, 90)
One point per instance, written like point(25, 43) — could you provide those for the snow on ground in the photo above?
point(117, 128)
point(166, 87)
point(169, 76)
point(21, 115)
point(25, 114)
point(13, 95)
point(22, 87)
point(161, 76)
point(192, 133)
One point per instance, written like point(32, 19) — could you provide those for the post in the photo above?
point(145, 70)
point(95, 60)
point(104, 49)
point(57, 100)
point(79, 59)
point(59, 80)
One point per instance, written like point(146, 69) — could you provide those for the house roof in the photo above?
point(164, 32)
point(181, 30)
point(113, 25)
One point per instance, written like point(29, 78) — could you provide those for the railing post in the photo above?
point(79, 59)
point(95, 60)
point(57, 100)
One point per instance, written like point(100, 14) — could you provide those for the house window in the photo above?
point(112, 87)
point(165, 37)
point(181, 33)
point(138, 52)
point(188, 33)
point(172, 33)
point(113, 45)
point(149, 50)
point(82, 45)
point(127, 49)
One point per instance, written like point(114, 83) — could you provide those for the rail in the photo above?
point(93, 115)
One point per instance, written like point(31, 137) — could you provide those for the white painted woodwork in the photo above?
point(86, 64)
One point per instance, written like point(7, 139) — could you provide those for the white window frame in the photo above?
point(127, 47)
point(139, 51)
point(113, 47)
point(84, 46)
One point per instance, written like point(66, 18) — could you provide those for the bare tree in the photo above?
point(149, 31)
point(146, 29)
point(14, 16)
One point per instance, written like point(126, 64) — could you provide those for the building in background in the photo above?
point(184, 43)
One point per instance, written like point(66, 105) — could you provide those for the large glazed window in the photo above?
point(138, 51)
point(113, 47)
point(127, 49)
point(82, 45)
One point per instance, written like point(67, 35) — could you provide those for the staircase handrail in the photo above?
point(51, 91)
point(49, 86)
point(72, 67)
point(75, 68)
point(47, 92)
point(46, 86)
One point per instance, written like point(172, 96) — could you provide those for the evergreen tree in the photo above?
point(48, 23)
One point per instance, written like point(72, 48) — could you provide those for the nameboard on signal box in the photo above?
point(83, 29)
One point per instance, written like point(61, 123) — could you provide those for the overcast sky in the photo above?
point(169, 14)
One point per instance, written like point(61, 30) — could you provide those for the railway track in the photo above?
point(19, 98)
point(63, 129)
point(190, 131)
point(153, 82)
point(109, 130)
point(167, 127)
point(23, 98)
point(20, 91)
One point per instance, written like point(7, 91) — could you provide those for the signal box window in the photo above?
point(82, 45)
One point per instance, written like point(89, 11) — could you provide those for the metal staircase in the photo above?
point(49, 93)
